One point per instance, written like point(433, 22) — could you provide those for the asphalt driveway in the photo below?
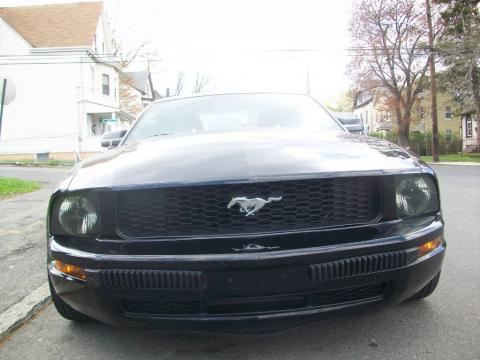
point(444, 326)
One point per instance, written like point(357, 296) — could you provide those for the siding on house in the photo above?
point(59, 89)
point(423, 105)
point(10, 41)
point(378, 117)
point(374, 114)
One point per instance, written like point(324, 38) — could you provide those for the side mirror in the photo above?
point(112, 139)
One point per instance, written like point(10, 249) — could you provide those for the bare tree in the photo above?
point(180, 83)
point(201, 81)
point(125, 59)
point(129, 100)
point(390, 39)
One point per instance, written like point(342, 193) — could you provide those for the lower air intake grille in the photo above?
point(358, 266)
point(153, 279)
point(263, 304)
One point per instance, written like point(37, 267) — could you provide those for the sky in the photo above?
point(263, 45)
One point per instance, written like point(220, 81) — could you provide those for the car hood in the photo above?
point(237, 156)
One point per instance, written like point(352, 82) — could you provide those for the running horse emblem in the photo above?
point(251, 206)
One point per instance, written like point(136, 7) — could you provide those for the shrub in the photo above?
point(421, 143)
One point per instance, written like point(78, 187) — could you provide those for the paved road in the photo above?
point(42, 174)
point(445, 326)
point(22, 234)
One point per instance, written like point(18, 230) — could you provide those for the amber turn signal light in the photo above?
point(71, 270)
point(424, 249)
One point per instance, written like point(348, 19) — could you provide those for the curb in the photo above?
point(36, 166)
point(19, 313)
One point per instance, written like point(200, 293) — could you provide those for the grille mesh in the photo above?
point(153, 279)
point(202, 210)
point(261, 304)
point(357, 266)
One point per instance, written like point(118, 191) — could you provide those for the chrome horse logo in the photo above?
point(251, 206)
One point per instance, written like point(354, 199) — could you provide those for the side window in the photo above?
point(448, 112)
point(448, 134)
point(105, 84)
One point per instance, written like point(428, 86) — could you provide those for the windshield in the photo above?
point(236, 112)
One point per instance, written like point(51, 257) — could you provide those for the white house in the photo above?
point(60, 59)
point(375, 118)
point(470, 132)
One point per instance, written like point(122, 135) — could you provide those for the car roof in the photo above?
point(170, 98)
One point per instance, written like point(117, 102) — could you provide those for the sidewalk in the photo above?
point(461, 163)
point(22, 245)
point(23, 273)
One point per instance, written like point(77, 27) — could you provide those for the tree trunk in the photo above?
point(433, 86)
point(402, 132)
point(476, 99)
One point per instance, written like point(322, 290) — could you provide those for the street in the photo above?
point(446, 325)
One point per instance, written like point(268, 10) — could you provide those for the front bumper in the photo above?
point(260, 291)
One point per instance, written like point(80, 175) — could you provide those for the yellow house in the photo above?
point(448, 113)
point(372, 108)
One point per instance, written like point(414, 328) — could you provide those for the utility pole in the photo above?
point(3, 88)
point(433, 84)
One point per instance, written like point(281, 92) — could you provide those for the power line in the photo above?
point(53, 62)
point(156, 57)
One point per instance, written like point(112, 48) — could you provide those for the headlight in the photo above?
point(416, 194)
point(77, 215)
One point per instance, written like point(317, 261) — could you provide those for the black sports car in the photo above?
point(241, 212)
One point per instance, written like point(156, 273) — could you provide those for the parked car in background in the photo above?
point(240, 212)
point(352, 123)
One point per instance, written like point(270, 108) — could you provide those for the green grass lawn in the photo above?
point(474, 157)
point(11, 187)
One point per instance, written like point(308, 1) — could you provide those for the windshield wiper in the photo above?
point(156, 135)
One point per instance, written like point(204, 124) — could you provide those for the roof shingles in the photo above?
point(56, 25)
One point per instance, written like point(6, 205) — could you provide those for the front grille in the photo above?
point(202, 210)
point(153, 279)
point(360, 265)
point(262, 304)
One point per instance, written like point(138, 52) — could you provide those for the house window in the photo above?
point(92, 79)
point(468, 129)
point(105, 84)
point(422, 112)
point(448, 134)
point(448, 112)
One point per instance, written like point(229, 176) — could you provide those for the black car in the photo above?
point(242, 212)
